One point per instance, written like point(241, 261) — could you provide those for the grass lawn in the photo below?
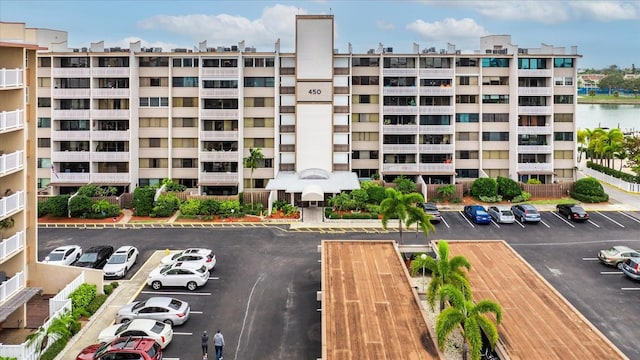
point(606, 99)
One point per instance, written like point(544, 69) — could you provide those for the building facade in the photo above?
point(131, 117)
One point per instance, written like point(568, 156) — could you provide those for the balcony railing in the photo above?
point(11, 286)
point(110, 114)
point(529, 130)
point(436, 73)
point(68, 135)
point(535, 91)
point(70, 156)
point(216, 72)
point(223, 93)
point(71, 93)
point(535, 149)
point(110, 71)
point(80, 114)
point(428, 110)
point(400, 110)
point(534, 110)
point(527, 167)
point(437, 90)
point(110, 156)
point(439, 148)
point(11, 204)
point(11, 246)
point(436, 168)
point(535, 73)
point(399, 148)
point(436, 129)
point(214, 156)
point(11, 162)
point(214, 178)
point(10, 120)
point(111, 178)
point(404, 168)
point(111, 135)
point(223, 114)
point(71, 72)
point(400, 129)
point(10, 78)
point(400, 72)
point(70, 178)
point(109, 93)
point(400, 90)
point(219, 135)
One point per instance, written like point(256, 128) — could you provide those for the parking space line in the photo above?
point(445, 222)
point(545, 224)
point(630, 289)
point(610, 219)
point(214, 278)
point(610, 272)
point(519, 223)
point(467, 220)
point(629, 216)
point(594, 224)
point(176, 293)
point(563, 219)
point(495, 223)
point(196, 312)
point(183, 334)
point(170, 358)
point(590, 258)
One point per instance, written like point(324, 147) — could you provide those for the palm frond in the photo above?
point(446, 322)
point(486, 306)
point(489, 329)
point(473, 337)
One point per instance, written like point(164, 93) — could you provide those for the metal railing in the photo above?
point(12, 245)
point(11, 162)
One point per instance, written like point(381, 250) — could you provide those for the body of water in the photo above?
point(625, 117)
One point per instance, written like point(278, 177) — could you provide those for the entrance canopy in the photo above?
point(314, 183)
point(312, 193)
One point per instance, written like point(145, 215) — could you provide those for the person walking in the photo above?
point(205, 345)
point(218, 343)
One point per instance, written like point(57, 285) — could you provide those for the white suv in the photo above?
point(188, 274)
point(120, 262)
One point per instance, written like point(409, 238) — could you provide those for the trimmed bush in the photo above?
point(115, 284)
point(484, 187)
point(589, 190)
point(58, 205)
point(166, 205)
point(490, 199)
point(43, 209)
point(405, 185)
point(97, 302)
point(209, 207)
point(613, 172)
point(108, 289)
point(143, 200)
point(190, 207)
point(534, 182)
point(508, 188)
point(83, 295)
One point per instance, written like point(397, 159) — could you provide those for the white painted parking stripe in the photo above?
point(176, 293)
point(169, 358)
point(464, 217)
point(594, 224)
point(610, 219)
point(563, 219)
point(630, 217)
point(445, 222)
point(590, 259)
point(630, 289)
point(610, 272)
point(182, 333)
point(545, 224)
point(196, 312)
point(214, 278)
point(519, 223)
point(495, 223)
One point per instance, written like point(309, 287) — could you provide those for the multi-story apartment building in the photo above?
point(130, 117)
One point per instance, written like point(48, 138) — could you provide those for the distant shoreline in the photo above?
point(619, 101)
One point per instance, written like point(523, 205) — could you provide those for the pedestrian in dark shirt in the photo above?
point(205, 345)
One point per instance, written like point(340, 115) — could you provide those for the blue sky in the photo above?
point(606, 32)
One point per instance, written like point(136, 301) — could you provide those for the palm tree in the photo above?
point(464, 312)
point(252, 162)
point(584, 135)
point(444, 271)
point(606, 141)
point(399, 205)
point(422, 222)
point(60, 327)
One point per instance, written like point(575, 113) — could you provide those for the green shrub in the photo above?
point(142, 201)
point(372, 208)
point(172, 186)
point(115, 284)
point(74, 326)
point(80, 312)
point(97, 302)
point(7, 358)
point(405, 185)
point(209, 207)
point(446, 191)
point(613, 172)
point(534, 182)
point(58, 205)
point(589, 190)
point(490, 199)
point(108, 289)
point(83, 295)
point(90, 190)
point(484, 187)
point(43, 209)
point(229, 208)
point(190, 207)
point(508, 188)
point(166, 205)
point(55, 349)
point(327, 212)
point(456, 200)
point(360, 197)
point(253, 209)
point(375, 192)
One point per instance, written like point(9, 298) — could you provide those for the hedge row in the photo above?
point(613, 172)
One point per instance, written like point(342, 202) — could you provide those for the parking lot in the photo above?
point(262, 293)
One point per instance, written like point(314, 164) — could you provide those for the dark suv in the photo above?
point(432, 209)
point(132, 347)
point(95, 257)
point(572, 212)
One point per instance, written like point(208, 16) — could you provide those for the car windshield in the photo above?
point(117, 259)
point(158, 327)
point(175, 304)
point(138, 305)
point(202, 270)
point(480, 212)
point(614, 251)
point(123, 327)
point(88, 257)
point(101, 350)
point(56, 256)
point(165, 269)
point(506, 213)
point(577, 209)
point(154, 350)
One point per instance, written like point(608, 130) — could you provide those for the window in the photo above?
point(44, 163)
point(113, 83)
point(154, 81)
point(495, 99)
point(44, 102)
point(259, 62)
point(153, 122)
point(119, 61)
point(365, 136)
point(154, 61)
point(154, 102)
point(221, 103)
point(495, 154)
point(74, 62)
point(258, 122)
point(563, 136)
point(189, 81)
point(435, 63)
point(466, 99)
point(44, 62)
point(399, 81)
point(466, 154)
point(185, 143)
point(467, 173)
point(365, 80)
point(563, 62)
point(495, 80)
point(74, 125)
point(185, 62)
point(467, 62)
point(532, 101)
point(44, 82)
point(259, 102)
point(563, 99)
point(44, 122)
point(430, 101)
point(258, 142)
point(563, 173)
point(184, 122)
point(152, 163)
point(185, 163)
point(366, 99)
point(495, 117)
point(366, 61)
point(435, 82)
point(495, 136)
point(220, 84)
point(466, 80)
point(495, 62)
point(399, 62)
point(435, 119)
point(44, 142)
point(43, 182)
point(153, 142)
point(185, 102)
point(563, 154)
point(467, 136)
point(532, 64)
point(366, 117)
point(563, 117)
point(259, 82)
point(467, 118)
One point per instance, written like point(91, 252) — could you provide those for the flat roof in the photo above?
point(536, 318)
point(369, 309)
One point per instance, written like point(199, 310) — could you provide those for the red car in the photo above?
point(132, 347)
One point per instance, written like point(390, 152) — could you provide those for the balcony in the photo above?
point(10, 78)
point(436, 148)
point(535, 167)
point(219, 93)
point(109, 93)
point(535, 91)
point(69, 135)
point(10, 287)
point(79, 114)
point(70, 156)
point(217, 72)
point(119, 114)
point(400, 129)
point(437, 168)
point(71, 93)
point(436, 129)
point(437, 90)
point(110, 71)
point(401, 168)
point(111, 135)
point(535, 149)
point(534, 110)
point(11, 246)
point(11, 120)
point(70, 72)
point(400, 90)
point(111, 178)
point(438, 110)
point(219, 135)
point(222, 114)
point(218, 156)
point(11, 162)
point(11, 204)
point(70, 178)
point(400, 110)
point(535, 73)
point(399, 148)
point(436, 73)
point(535, 130)
point(400, 72)
point(111, 156)
point(213, 178)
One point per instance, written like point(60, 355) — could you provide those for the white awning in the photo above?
point(312, 193)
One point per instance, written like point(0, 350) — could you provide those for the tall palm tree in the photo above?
point(584, 136)
point(464, 312)
point(421, 222)
point(607, 141)
point(252, 162)
point(399, 205)
point(444, 271)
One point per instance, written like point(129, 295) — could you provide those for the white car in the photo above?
point(64, 255)
point(501, 214)
point(160, 332)
point(192, 255)
point(188, 274)
point(120, 262)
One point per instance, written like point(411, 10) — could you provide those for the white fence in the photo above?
point(619, 183)
point(9, 287)
point(11, 245)
point(62, 298)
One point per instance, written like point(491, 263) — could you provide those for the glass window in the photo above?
point(44, 122)
point(563, 99)
point(44, 102)
point(563, 136)
point(495, 136)
point(495, 62)
point(563, 62)
point(467, 118)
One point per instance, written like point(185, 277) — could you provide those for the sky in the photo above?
point(605, 32)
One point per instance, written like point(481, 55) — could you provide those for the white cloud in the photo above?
point(276, 22)
point(607, 10)
point(464, 33)
point(385, 26)
point(548, 12)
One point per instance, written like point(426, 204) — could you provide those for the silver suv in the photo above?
point(526, 213)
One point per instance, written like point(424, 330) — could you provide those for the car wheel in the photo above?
point(568, 217)
point(124, 321)
point(191, 285)
point(168, 322)
point(156, 285)
point(619, 265)
point(522, 219)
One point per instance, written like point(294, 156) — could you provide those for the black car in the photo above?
point(95, 257)
point(432, 209)
point(572, 212)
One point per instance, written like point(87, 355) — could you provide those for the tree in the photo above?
point(584, 136)
point(446, 191)
point(632, 148)
point(252, 162)
point(399, 205)
point(444, 271)
point(463, 312)
point(60, 327)
point(422, 222)
point(405, 185)
point(359, 197)
point(606, 142)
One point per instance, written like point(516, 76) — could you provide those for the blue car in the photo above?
point(477, 214)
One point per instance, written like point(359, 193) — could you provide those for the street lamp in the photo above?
point(424, 258)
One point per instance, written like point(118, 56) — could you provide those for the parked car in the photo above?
point(616, 255)
point(526, 213)
point(501, 214)
point(95, 257)
point(120, 262)
point(187, 274)
point(631, 268)
point(64, 255)
point(432, 209)
point(131, 347)
point(192, 255)
point(160, 332)
point(168, 310)
point(572, 212)
point(477, 214)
